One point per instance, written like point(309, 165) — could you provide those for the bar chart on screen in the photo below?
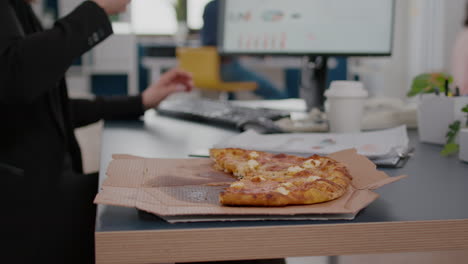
point(302, 26)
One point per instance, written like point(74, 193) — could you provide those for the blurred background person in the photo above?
point(460, 57)
point(231, 69)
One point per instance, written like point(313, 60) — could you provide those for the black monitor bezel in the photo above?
point(220, 41)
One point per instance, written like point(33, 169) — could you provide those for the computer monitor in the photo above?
point(306, 27)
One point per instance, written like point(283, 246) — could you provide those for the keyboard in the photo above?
point(223, 113)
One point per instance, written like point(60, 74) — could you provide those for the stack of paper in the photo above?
point(377, 145)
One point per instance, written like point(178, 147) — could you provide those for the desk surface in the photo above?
point(426, 211)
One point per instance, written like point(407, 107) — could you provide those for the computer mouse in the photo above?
point(261, 125)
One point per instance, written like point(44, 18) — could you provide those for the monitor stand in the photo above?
point(313, 81)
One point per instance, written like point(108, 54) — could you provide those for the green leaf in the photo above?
point(423, 76)
point(465, 109)
point(439, 81)
point(417, 89)
point(419, 85)
point(450, 149)
point(455, 126)
point(428, 83)
point(453, 131)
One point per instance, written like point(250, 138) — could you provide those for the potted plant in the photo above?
point(438, 107)
point(436, 82)
point(451, 146)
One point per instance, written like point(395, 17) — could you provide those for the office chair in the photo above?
point(204, 64)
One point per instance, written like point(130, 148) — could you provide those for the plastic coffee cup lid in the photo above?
point(346, 89)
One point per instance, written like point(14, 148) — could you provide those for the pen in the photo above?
point(198, 156)
point(446, 87)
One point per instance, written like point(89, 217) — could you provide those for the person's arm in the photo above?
point(459, 67)
point(30, 65)
point(464, 80)
point(84, 112)
point(464, 68)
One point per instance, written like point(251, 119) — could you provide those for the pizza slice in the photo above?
point(267, 179)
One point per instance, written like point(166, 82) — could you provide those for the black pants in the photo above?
point(48, 222)
point(78, 217)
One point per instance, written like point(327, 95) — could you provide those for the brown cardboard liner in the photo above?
point(178, 187)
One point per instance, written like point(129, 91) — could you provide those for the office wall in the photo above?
point(387, 76)
point(424, 34)
point(434, 25)
point(396, 80)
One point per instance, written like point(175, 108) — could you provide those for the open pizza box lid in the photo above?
point(186, 190)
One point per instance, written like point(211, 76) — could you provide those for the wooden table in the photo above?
point(425, 212)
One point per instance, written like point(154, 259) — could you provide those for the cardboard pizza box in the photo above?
point(186, 190)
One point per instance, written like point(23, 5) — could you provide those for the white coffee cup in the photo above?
point(345, 101)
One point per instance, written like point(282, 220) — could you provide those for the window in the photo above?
point(158, 17)
point(153, 17)
point(195, 13)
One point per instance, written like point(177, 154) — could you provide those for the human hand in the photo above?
point(173, 81)
point(112, 7)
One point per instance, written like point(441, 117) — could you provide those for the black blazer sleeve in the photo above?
point(32, 64)
point(84, 112)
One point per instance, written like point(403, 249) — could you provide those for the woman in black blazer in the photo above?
point(47, 213)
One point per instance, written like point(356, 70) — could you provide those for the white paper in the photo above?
point(374, 144)
point(292, 104)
